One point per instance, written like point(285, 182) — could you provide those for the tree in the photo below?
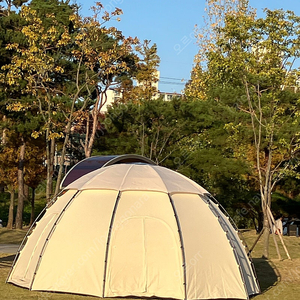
point(140, 82)
point(207, 36)
point(8, 175)
point(16, 119)
point(147, 74)
point(28, 73)
point(10, 3)
point(66, 67)
point(254, 58)
point(109, 55)
point(152, 128)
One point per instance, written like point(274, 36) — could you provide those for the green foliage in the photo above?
point(149, 128)
point(143, 65)
point(251, 78)
point(289, 207)
point(60, 8)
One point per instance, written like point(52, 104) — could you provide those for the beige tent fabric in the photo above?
point(145, 257)
point(243, 259)
point(135, 230)
point(75, 254)
point(211, 267)
point(23, 271)
point(126, 177)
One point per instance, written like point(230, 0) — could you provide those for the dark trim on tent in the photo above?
point(49, 235)
point(181, 245)
point(108, 241)
point(93, 163)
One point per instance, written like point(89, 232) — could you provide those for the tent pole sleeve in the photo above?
point(181, 245)
point(108, 241)
point(50, 233)
point(223, 210)
point(231, 243)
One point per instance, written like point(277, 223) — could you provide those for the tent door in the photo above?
point(143, 258)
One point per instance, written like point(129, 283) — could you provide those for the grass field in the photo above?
point(279, 279)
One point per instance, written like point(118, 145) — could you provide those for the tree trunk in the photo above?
point(32, 216)
point(260, 221)
point(62, 160)
point(26, 191)
point(10, 222)
point(266, 200)
point(48, 183)
point(52, 165)
point(50, 152)
point(266, 236)
point(19, 216)
point(90, 145)
point(89, 142)
point(3, 141)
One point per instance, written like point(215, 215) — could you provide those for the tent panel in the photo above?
point(164, 265)
point(145, 258)
point(143, 178)
point(178, 183)
point(249, 276)
point(23, 271)
point(211, 268)
point(122, 177)
point(73, 260)
point(126, 270)
point(104, 178)
point(129, 177)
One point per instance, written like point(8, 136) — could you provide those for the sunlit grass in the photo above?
point(14, 236)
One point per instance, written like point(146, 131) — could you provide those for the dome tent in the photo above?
point(135, 230)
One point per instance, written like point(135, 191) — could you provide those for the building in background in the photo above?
point(114, 95)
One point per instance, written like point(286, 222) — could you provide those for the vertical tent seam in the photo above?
point(145, 256)
point(108, 241)
point(215, 212)
point(181, 245)
point(47, 239)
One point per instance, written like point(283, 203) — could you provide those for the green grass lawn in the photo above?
point(278, 279)
point(14, 236)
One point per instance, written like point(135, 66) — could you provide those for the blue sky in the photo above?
point(170, 24)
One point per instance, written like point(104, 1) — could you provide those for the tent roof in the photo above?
point(93, 163)
point(138, 176)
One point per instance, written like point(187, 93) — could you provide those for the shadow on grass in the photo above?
point(266, 273)
point(6, 261)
